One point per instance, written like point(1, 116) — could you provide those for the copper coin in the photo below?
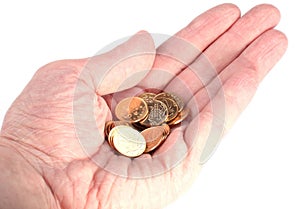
point(131, 109)
point(173, 96)
point(158, 113)
point(127, 141)
point(166, 128)
point(171, 105)
point(154, 136)
point(180, 117)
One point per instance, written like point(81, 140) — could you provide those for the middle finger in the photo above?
point(224, 50)
point(185, 46)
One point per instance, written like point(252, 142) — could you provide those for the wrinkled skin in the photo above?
point(39, 131)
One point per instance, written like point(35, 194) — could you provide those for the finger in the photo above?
point(260, 57)
point(181, 49)
point(121, 68)
point(225, 49)
point(241, 80)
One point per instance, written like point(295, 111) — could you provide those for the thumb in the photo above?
point(123, 67)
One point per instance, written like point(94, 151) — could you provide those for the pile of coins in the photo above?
point(144, 122)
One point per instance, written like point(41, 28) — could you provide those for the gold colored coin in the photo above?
point(152, 115)
point(131, 109)
point(127, 141)
point(154, 136)
point(111, 124)
point(176, 98)
point(171, 105)
point(110, 142)
point(167, 129)
point(180, 117)
point(107, 128)
point(158, 113)
point(147, 97)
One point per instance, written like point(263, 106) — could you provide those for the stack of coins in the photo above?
point(144, 122)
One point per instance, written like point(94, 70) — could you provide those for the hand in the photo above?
point(59, 150)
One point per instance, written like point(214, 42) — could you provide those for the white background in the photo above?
point(257, 163)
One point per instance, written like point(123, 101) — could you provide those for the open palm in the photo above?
point(57, 122)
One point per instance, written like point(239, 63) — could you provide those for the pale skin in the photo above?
point(42, 162)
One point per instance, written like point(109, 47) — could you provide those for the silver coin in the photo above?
point(128, 141)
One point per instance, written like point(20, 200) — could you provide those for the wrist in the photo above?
point(22, 185)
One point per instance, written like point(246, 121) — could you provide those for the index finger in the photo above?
point(187, 44)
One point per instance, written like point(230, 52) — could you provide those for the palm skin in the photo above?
point(40, 123)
